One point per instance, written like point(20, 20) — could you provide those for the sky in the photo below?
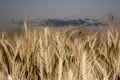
point(58, 8)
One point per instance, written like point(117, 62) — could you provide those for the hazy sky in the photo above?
point(58, 8)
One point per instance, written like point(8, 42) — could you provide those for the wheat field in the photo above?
point(53, 54)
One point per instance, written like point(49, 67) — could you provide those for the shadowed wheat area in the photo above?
point(67, 54)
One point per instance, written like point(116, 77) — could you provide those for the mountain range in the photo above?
point(62, 22)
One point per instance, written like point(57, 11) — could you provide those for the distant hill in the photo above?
point(62, 22)
point(76, 22)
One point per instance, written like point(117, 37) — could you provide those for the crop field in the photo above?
point(72, 53)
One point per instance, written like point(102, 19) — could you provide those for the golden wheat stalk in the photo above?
point(103, 70)
point(25, 26)
point(9, 77)
point(60, 69)
point(70, 74)
point(84, 66)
